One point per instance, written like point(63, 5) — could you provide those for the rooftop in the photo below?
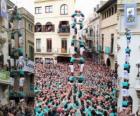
point(106, 5)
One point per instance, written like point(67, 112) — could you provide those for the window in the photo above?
point(49, 45)
point(64, 46)
point(105, 14)
point(49, 27)
point(89, 43)
point(91, 32)
point(38, 27)
point(112, 10)
point(94, 33)
point(38, 45)
point(30, 27)
point(102, 42)
point(31, 52)
point(64, 27)
point(115, 8)
point(38, 10)
point(64, 9)
point(48, 9)
point(112, 42)
point(9, 48)
point(109, 12)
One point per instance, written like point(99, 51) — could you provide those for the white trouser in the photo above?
point(81, 67)
point(127, 57)
point(82, 50)
point(125, 92)
point(126, 75)
point(71, 68)
point(72, 51)
point(128, 42)
point(21, 82)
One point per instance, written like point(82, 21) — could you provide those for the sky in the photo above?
point(86, 6)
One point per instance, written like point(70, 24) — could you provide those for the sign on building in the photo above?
point(130, 14)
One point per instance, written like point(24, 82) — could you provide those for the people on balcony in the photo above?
point(49, 27)
point(64, 27)
point(38, 27)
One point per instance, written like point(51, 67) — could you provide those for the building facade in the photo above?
point(27, 31)
point(4, 53)
point(108, 33)
point(134, 60)
point(21, 50)
point(93, 33)
point(52, 29)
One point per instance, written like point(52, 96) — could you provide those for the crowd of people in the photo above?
point(17, 109)
point(56, 96)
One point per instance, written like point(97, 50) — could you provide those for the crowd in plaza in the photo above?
point(56, 96)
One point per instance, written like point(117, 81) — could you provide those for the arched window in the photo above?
point(49, 27)
point(64, 9)
point(38, 27)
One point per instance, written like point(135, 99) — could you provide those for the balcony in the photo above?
point(13, 94)
point(64, 28)
point(62, 51)
point(64, 31)
point(49, 51)
point(38, 50)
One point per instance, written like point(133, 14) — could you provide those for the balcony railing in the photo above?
point(49, 50)
point(38, 50)
point(64, 30)
point(62, 51)
point(58, 51)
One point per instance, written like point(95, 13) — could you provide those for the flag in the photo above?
point(130, 14)
point(3, 8)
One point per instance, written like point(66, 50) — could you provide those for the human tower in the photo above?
point(77, 48)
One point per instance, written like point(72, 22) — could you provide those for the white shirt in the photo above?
point(21, 81)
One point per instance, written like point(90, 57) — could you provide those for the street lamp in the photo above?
point(138, 65)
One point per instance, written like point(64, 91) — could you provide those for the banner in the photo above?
point(29, 67)
point(4, 75)
point(3, 8)
point(130, 14)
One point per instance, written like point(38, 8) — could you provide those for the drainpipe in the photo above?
point(25, 36)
